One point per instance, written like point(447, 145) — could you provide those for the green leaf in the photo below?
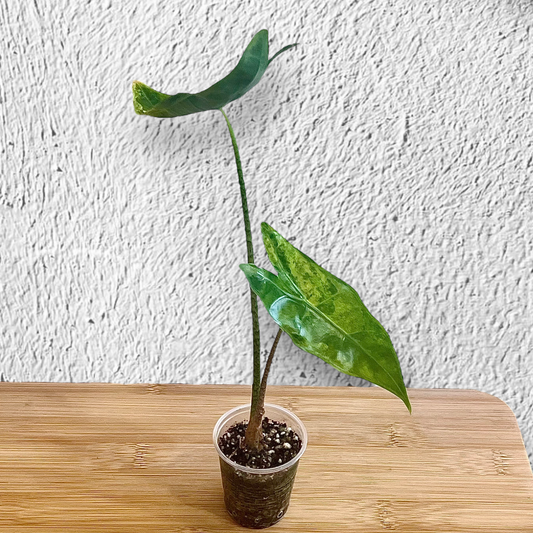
point(238, 82)
point(324, 316)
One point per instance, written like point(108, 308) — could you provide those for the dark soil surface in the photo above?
point(280, 445)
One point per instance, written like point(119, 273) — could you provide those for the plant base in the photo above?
point(258, 497)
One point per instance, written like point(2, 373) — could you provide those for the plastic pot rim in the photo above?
point(260, 471)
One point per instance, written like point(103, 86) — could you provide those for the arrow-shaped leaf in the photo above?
point(324, 316)
point(238, 82)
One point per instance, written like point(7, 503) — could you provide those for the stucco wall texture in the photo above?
point(393, 146)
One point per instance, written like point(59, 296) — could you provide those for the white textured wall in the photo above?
point(394, 146)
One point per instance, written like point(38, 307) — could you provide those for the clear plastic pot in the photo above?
point(258, 497)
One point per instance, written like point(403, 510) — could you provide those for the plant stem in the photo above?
point(253, 431)
point(253, 296)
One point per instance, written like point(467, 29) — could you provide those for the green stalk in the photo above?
point(254, 431)
point(253, 297)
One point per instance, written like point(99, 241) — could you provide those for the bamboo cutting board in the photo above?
point(139, 458)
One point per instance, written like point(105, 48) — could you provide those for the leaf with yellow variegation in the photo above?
point(324, 316)
point(245, 76)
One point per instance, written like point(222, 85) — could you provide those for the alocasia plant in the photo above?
point(322, 314)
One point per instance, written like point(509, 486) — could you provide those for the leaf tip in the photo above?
point(267, 229)
point(284, 49)
point(138, 97)
point(247, 268)
point(407, 403)
point(268, 233)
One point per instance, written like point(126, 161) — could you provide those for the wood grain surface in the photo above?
point(139, 458)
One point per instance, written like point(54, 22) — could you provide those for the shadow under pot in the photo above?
point(259, 497)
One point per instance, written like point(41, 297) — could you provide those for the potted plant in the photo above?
point(322, 314)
